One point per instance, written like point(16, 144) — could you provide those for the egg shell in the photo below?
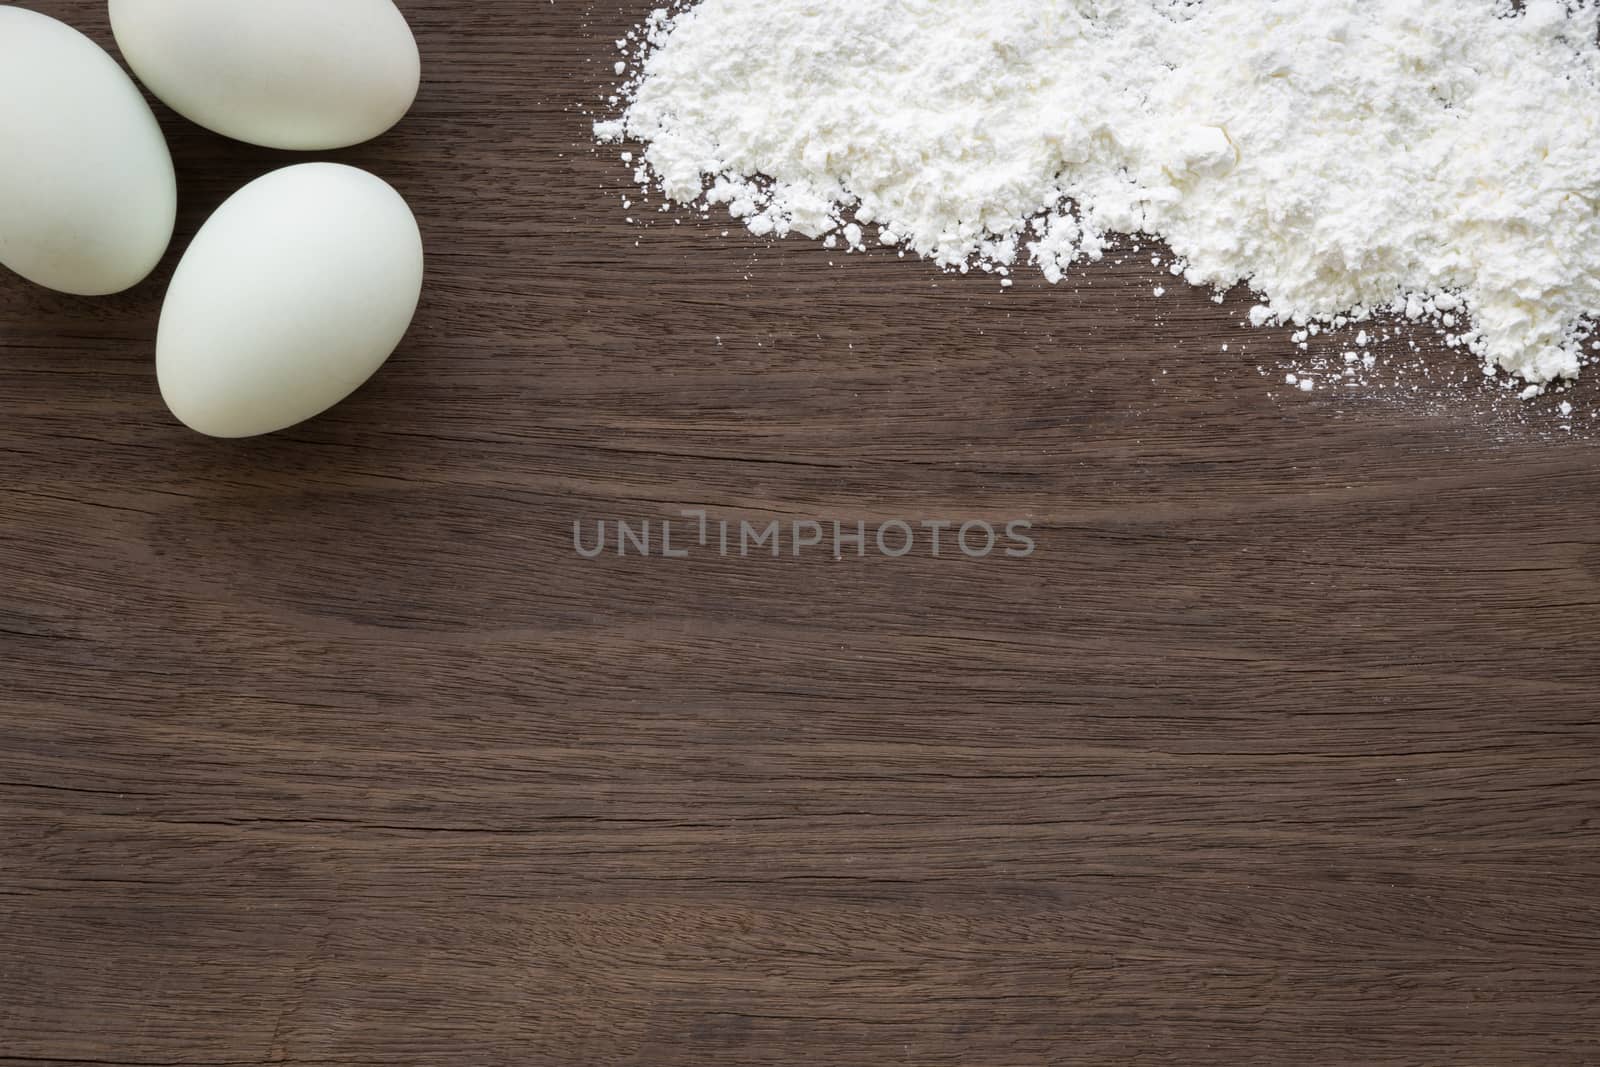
point(303, 75)
point(87, 191)
point(292, 295)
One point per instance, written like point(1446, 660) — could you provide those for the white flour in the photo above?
point(1433, 158)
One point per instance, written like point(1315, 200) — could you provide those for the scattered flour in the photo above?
point(1437, 160)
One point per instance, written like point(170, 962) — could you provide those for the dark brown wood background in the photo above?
point(328, 750)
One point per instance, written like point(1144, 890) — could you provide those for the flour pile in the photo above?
point(1436, 159)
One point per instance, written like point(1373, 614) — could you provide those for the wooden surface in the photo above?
point(328, 749)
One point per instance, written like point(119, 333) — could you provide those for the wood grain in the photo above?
point(327, 749)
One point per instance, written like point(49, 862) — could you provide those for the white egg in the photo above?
point(87, 193)
point(292, 295)
point(305, 75)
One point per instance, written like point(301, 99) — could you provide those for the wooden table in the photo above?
point(329, 749)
